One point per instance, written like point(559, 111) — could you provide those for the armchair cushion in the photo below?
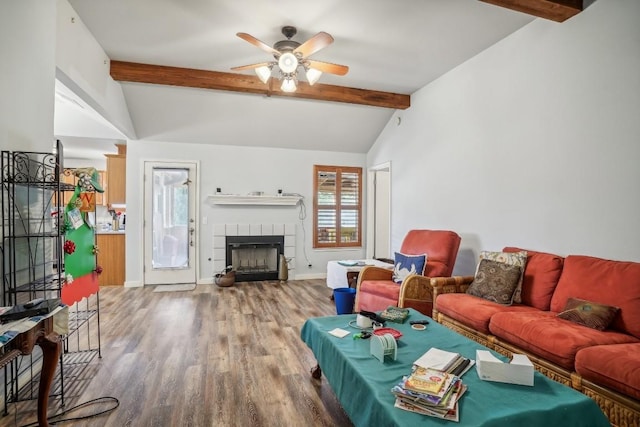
point(441, 245)
point(408, 264)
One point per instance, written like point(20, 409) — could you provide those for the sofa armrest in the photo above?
point(371, 272)
point(415, 287)
point(448, 285)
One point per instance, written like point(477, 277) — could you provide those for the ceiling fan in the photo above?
point(290, 55)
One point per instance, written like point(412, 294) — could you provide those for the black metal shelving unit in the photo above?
point(32, 209)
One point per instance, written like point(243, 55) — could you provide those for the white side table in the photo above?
point(338, 275)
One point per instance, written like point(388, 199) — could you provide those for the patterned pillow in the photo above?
point(408, 264)
point(495, 281)
point(591, 314)
point(511, 258)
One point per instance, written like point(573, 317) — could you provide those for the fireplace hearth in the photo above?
point(254, 257)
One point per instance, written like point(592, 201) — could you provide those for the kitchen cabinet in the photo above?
point(116, 176)
point(111, 257)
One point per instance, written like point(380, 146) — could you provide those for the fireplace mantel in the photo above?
point(231, 199)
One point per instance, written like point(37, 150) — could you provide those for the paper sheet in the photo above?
point(340, 333)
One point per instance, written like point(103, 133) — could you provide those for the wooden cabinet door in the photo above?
point(116, 179)
point(111, 258)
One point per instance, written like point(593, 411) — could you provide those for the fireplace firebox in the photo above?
point(254, 257)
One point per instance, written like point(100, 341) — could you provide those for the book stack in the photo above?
point(434, 385)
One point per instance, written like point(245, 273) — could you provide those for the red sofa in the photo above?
point(604, 365)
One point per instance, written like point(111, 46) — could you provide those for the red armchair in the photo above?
point(377, 291)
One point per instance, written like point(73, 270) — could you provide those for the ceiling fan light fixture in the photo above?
point(288, 84)
point(264, 73)
point(313, 75)
point(288, 62)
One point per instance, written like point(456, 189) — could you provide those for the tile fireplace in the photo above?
point(250, 260)
point(254, 257)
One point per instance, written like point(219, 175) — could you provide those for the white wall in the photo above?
point(535, 142)
point(99, 164)
point(236, 170)
point(27, 74)
point(83, 67)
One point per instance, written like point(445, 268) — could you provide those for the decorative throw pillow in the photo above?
point(408, 264)
point(587, 313)
point(511, 258)
point(495, 281)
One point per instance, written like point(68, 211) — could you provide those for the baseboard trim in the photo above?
point(133, 284)
point(310, 276)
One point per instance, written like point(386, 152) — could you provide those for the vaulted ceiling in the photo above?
point(396, 47)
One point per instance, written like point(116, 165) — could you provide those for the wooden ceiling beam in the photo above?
point(555, 10)
point(189, 77)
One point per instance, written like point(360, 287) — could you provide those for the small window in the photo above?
point(337, 206)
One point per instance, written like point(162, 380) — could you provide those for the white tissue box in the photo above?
point(518, 371)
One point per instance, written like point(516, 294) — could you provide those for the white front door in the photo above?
point(170, 249)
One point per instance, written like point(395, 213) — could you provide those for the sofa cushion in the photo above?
point(541, 275)
point(614, 366)
point(544, 334)
point(408, 264)
point(517, 258)
point(614, 283)
point(473, 311)
point(495, 281)
point(587, 313)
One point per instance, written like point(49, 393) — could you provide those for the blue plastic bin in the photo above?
point(344, 298)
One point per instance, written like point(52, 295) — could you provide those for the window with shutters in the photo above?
point(337, 206)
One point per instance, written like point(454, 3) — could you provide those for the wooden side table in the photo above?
point(43, 334)
point(352, 278)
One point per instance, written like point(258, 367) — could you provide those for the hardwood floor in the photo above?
point(209, 357)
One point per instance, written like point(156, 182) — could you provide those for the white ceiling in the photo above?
point(389, 45)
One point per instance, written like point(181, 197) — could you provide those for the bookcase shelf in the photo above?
point(32, 266)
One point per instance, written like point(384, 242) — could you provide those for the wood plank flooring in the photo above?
point(209, 357)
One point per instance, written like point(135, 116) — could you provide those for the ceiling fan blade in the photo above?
point(252, 66)
point(327, 67)
point(314, 44)
point(254, 41)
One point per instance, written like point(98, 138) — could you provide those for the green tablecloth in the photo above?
point(363, 384)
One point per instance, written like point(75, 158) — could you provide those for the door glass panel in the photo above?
point(170, 221)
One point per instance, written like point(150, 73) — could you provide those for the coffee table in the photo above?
point(363, 384)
